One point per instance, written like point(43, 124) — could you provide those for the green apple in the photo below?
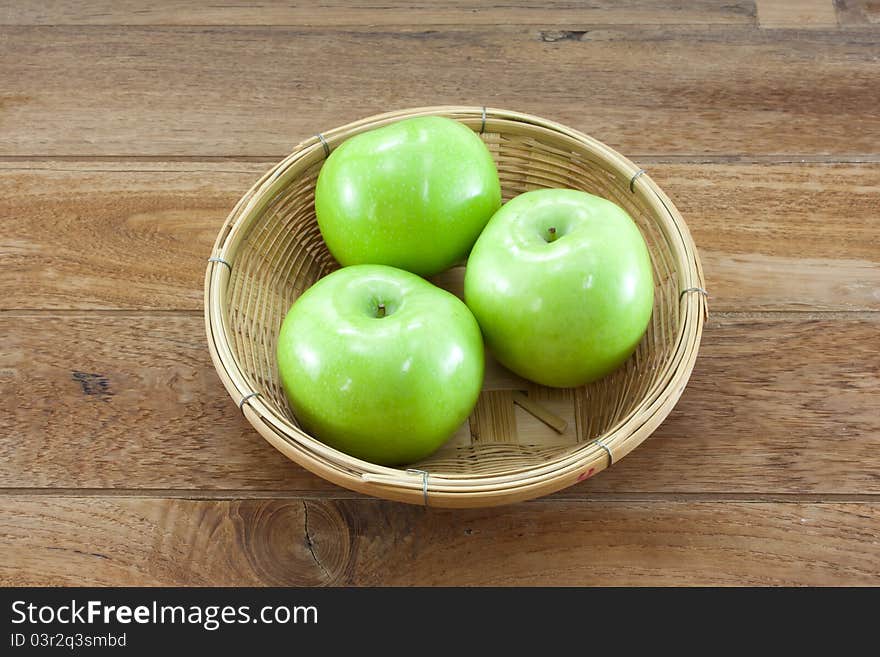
point(380, 364)
point(413, 194)
point(560, 282)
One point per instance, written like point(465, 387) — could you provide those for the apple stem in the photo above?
point(380, 310)
point(552, 232)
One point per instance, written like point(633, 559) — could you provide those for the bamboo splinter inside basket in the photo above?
point(523, 440)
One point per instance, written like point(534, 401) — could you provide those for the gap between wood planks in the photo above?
point(272, 158)
point(344, 494)
point(793, 315)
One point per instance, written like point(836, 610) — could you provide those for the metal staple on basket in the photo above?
point(324, 144)
point(599, 442)
point(695, 289)
point(704, 293)
point(221, 261)
point(244, 400)
point(272, 237)
point(425, 475)
point(632, 181)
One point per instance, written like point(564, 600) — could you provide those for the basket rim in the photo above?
point(437, 488)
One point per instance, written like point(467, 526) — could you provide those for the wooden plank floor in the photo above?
point(127, 133)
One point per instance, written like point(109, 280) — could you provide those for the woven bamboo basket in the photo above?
point(522, 440)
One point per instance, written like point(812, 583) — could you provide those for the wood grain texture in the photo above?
point(796, 13)
point(127, 132)
point(690, 91)
point(154, 541)
point(371, 12)
point(113, 235)
point(135, 235)
point(858, 12)
point(782, 237)
point(775, 406)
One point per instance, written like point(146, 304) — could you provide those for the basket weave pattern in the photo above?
point(270, 251)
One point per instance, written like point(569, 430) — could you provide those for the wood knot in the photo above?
point(295, 543)
point(93, 385)
point(563, 35)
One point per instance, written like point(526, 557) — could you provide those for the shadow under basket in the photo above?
point(522, 440)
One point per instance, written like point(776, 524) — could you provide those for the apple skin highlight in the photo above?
point(414, 194)
point(561, 307)
point(380, 364)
